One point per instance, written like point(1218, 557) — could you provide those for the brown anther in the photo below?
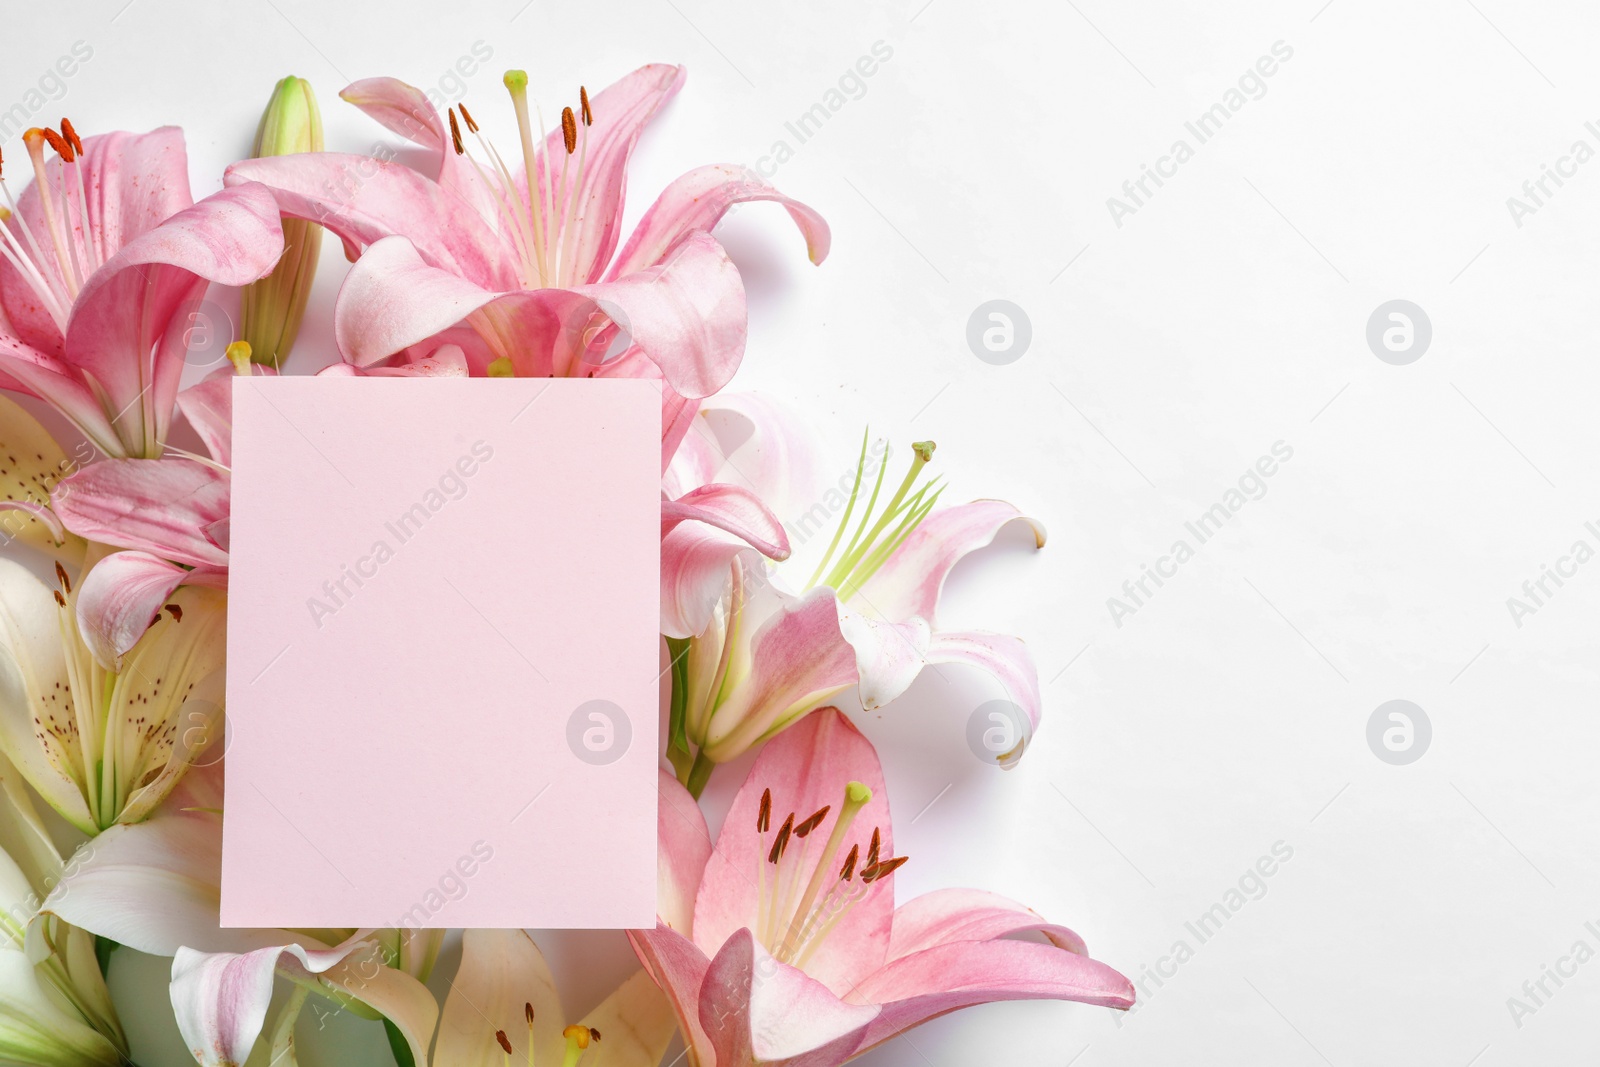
point(583, 101)
point(879, 870)
point(175, 611)
point(569, 130)
point(505, 1042)
point(61, 147)
point(764, 816)
point(872, 849)
point(812, 823)
point(849, 868)
point(71, 135)
point(61, 578)
point(455, 133)
point(467, 116)
point(782, 841)
point(527, 1009)
point(61, 601)
point(594, 1034)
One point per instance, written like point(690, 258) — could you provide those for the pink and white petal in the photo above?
point(798, 661)
point(678, 968)
point(363, 200)
point(696, 565)
point(208, 405)
point(773, 450)
point(695, 463)
point(733, 509)
point(501, 971)
point(35, 374)
point(121, 594)
point(233, 237)
point(947, 916)
point(393, 298)
point(154, 885)
point(1008, 660)
point(620, 111)
point(687, 313)
point(909, 582)
point(447, 361)
point(684, 846)
point(930, 983)
point(406, 110)
point(677, 412)
point(697, 201)
point(370, 978)
point(806, 767)
point(132, 181)
point(220, 999)
point(755, 1010)
point(889, 655)
point(160, 506)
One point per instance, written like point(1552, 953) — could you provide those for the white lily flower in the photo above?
point(54, 1007)
point(103, 724)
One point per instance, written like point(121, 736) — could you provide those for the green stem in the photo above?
point(699, 775)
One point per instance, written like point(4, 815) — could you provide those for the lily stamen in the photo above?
point(869, 548)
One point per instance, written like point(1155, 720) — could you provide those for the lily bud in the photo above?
point(271, 308)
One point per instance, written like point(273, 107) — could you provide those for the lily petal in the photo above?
point(501, 971)
point(678, 968)
point(407, 111)
point(621, 112)
point(1008, 660)
point(233, 237)
point(636, 1023)
point(702, 533)
point(33, 674)
point(806, 767)
point(31, 463)
point(798, 661)
point(220, 999)
point(947, 916)
point(134, 180)
point(687, 314)
point(685, 846)
point(756, 1010)
point(911, 579)
point(918, 987)
point(697, 201)
point(161, 506)
point(122, 593)
point(363, 200)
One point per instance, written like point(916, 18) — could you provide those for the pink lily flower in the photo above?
point(783, 945)
point(522, 254)
point(758, 648)
point(105, 257)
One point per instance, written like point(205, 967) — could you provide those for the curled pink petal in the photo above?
point(697, 201)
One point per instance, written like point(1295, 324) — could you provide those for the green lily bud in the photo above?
point(271, 308)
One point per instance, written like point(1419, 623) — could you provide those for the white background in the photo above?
point(1229, 313)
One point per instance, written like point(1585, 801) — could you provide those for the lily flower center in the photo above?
point(112, 733)
point(577, 1038)
point(870, 546)
point(57, 258)
point(540, 213)
point(801, 899)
